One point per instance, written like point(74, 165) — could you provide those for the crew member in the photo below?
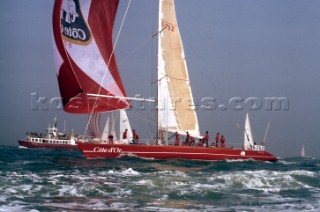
point(176, 143)
point(222, 140)
point(124, 134)
point(217, 139)
point(110, 137)
point(187, 139)
point(192, 141)
point(206, 139)
point(135, 139)
point(200, 142)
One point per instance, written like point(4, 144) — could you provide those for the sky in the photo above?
point(235, 50)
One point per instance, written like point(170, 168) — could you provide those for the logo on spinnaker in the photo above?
point(73, 26)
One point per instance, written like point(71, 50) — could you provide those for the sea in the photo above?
point(62, 180)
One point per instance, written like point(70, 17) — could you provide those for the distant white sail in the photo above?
point(106, 130)
point(125, 124)
point(248, 138)
point(303, 154)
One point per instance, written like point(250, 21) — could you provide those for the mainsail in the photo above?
point(248, 138)
point(84, 55)
point(175, 101)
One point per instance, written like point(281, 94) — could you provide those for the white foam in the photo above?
point(302, 172)
point(238, 160)
point(10, 191)
point(66, 190)
point(263, 180)
point(12, 208)
point(124, 172)
point(287, 162)
point(145, 182)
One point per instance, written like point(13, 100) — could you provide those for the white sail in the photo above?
point(175, 100)
point(248, 138)
point(303, 154)
point(106, 130)
point(112, 127)
point(125, 124)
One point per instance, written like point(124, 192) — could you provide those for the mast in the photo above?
point(158, 121)
point(158, 75)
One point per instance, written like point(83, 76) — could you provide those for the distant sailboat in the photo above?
point(303, 154)
point(248, 138)
point(174, 96)
point(249, 143)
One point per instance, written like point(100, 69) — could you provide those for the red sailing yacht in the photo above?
point(90, 83)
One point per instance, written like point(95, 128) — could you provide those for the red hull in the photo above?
point(94, 150)
point(29, 144)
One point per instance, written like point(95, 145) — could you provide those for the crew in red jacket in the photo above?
point(135, 137)
point(187, 139)
point(206, 139)
point(110, 138)
point(200, 143)
point(192, 142)
point(124, 134)
point(217, 139)
point(176, 143)
point(222, 140)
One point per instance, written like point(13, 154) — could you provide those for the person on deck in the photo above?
point(135, 136)
point(200, 143)
point(124, 134)
point(206, 139)
point(222, 141)
point(217, 139)
point(176, 143)
point(187, 139)
point(192, 141)
point(110, 138)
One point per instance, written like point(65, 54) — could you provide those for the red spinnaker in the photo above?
point(84, 55)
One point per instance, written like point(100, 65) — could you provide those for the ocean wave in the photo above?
point(68, 182)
